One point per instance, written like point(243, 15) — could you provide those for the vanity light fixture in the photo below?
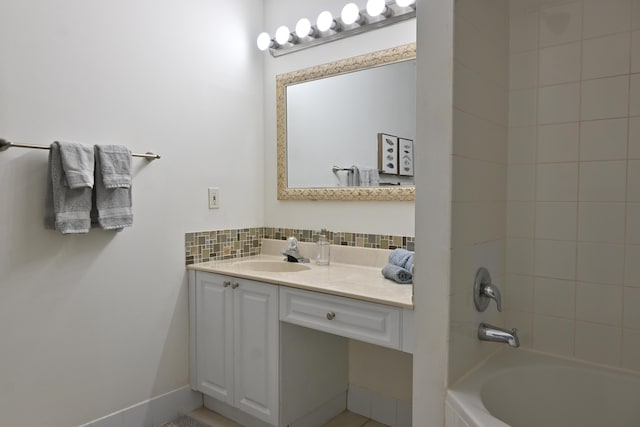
point(352, 21)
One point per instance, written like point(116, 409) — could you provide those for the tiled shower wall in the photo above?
point(573, 214)
point(480, 118)
point(216, 245)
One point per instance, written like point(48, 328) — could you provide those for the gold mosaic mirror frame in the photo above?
point(370, 60)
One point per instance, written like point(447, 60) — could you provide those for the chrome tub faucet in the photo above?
point(488, 332)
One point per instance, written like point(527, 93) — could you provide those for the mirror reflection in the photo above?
point(346, 129)
point(354, 129)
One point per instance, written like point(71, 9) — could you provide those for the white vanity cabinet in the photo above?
point(235, 342)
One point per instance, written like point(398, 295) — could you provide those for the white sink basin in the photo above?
point(271, 266)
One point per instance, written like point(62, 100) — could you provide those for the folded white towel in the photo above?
point(113, 204)
point(69, 182)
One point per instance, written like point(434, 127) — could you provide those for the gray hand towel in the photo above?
point(112, 204)
point(402, 258)
point(115, 166)
point(67, 209)
point(77, 162)
point(397, 274)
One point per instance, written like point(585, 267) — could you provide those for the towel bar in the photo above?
point(5, 145)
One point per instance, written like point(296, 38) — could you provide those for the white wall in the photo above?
point(362, 217)
point(92, 324)
point(574, 192)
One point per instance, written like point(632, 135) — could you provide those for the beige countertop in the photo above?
point(362, 282)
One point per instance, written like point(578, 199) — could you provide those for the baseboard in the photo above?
point(153, 412)
point(378, 407)
point(323, 413)
point(233, 413)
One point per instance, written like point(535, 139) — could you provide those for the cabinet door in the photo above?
point(256, 349)
point(214, 336)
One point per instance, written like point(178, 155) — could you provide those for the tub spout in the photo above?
point(488, 332)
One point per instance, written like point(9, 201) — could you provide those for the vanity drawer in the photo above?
point(364, 321)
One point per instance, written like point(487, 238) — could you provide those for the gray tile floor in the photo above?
point(346, 419)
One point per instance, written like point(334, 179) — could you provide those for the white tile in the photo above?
point(601, 222)
point(635, 14)
point(523, 30)
point(383, 409)
point(518, 293)
point(560, 64)
point(520, 219)
point(631, 308)
point(633, 223)
point(164, 408)
point(554, 297)
point(634, 138)
point(634, 94)
point(598, 343)
point(476, 138)
point(115, 420)
point(522, 107)
point(600, 263)
point(558, 143)
point(605, 98)
point(606, 56)
point(603, 181)
point(635, 52)
point(632, 266)
point(553, 335)
point(404, 414)
point(633, 181)
point(359, 400)
point(599, 303)
point(631, 349)
point(603, 139)
point(561, 24)
point(606, 17)
point(557, 182)
point(520, 182)
point(559, 104)
point(138, 416)
point(556, 220)
point(522, 144)
point(523, 70)
point(520, 256)
point(555, 259)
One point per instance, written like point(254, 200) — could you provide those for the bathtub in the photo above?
point(519, 388)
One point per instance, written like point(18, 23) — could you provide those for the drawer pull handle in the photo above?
point(226, 284)
point(331, 315)
point(234, 285)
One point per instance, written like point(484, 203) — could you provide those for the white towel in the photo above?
point(112, 207)
point(69, 183)
point(365, 176)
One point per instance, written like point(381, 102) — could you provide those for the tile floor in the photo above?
point(346, 419)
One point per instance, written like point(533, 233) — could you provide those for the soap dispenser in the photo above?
point(322, 250)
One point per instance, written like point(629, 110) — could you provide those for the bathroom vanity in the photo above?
point(269, 338)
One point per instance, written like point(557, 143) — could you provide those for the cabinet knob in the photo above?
point(235, 285)
point(331, 315)
point(226, 283)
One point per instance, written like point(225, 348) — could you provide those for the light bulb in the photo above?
point(350, 13)
point(303, 28)
point(282, 35)
point(376, 7)
point(405, 3)
point(264, 41)
point(325, 21)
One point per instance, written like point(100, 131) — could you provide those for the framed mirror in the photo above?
point(346, 129)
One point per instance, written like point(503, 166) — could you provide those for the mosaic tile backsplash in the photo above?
point(217, 245)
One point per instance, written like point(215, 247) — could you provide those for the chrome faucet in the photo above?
point(484, 291)
point(488, 332)
point(292, 252)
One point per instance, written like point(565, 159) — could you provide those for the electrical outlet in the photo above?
point(214, 197)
